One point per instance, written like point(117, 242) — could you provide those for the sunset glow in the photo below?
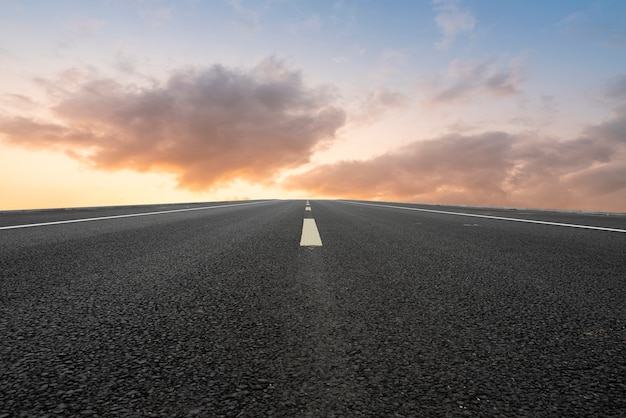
point(475, 102)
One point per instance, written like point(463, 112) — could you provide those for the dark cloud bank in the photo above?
point(208, 127)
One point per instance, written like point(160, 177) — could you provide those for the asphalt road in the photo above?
point(220, 312)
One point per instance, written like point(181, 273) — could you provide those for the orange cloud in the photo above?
point(207, 126)
point(491, 168)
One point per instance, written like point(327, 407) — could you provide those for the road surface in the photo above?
point(219, 311)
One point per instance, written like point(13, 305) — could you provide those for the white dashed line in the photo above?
point(310, 235)
point(501, 218)
point(125, 216)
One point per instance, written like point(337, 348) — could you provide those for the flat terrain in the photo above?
point(220, 311)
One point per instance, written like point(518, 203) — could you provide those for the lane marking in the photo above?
point(308, 208)
point(126, 216)
point(501, 218)
point(310, 235)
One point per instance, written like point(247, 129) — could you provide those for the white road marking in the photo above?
point(501, 218)
point(310, 235)
point(308, 208)
point(125, 216)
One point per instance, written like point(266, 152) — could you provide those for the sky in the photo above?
point(468, 102)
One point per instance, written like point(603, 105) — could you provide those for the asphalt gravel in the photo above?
point(220, 312)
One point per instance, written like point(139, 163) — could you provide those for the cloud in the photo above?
point(485, 77)
point(489, 168)
point(417, 169)
point(602, 180)
point(206, 126)
point(65, 82)
point(19, 101)
point(124, 62)
point(374, 103)
point(247, 18)
point(453, 21)
point(615, 89)
point(606, 28)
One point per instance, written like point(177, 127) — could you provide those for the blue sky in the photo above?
point(376, 81)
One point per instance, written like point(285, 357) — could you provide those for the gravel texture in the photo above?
point(222, 313)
